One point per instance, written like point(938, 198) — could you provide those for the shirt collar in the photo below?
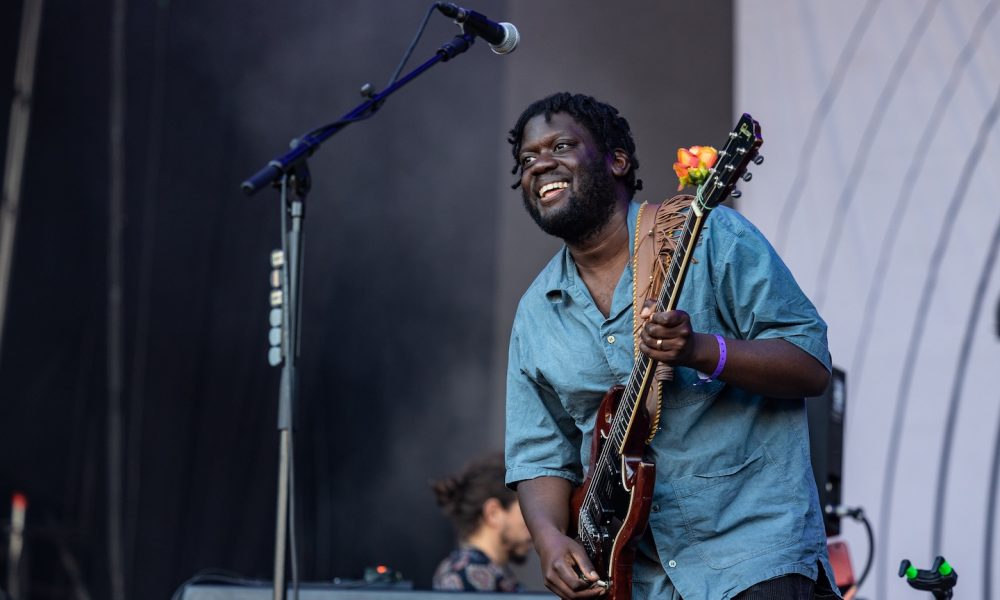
point(563, 275)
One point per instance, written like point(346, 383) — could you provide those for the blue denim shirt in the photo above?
point(735, 501)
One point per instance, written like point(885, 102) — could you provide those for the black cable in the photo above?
point(413, 44)
point(406, 56)
point(858, 514)
point(871, 547)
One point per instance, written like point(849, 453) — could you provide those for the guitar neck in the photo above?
point(612, 507)
point(740, 149)
point(642, 370)
point(681, 260)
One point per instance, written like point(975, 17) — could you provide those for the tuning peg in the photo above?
point(758, 159)
point(747, 176)
point(735, 193)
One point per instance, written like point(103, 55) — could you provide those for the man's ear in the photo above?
point(493, 512)
point(620, 162)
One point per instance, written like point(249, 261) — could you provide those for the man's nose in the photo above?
point(543, 162)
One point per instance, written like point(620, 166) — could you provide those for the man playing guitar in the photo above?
point(732, 510)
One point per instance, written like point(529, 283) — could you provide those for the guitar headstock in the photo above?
point(741, 148)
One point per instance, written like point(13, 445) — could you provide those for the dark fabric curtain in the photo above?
point(398, 270)
point(398, 371)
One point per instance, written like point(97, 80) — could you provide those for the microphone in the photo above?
point(502, 37)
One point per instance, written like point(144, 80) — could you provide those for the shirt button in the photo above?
point(656, 508)
point(611, 339)
point(672, 564)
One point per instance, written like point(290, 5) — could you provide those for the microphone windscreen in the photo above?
point(510, 39)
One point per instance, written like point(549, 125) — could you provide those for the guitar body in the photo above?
point(611, 529)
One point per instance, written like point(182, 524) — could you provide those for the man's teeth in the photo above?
point(549, 187)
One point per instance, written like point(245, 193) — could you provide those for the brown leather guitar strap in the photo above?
point(655, 238)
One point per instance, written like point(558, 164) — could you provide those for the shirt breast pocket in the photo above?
point(739, 512)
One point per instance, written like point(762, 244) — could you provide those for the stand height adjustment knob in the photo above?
point(275, 336)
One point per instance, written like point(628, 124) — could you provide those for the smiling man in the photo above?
point(735, 512)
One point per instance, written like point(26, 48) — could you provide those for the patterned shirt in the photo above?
point(469, 569)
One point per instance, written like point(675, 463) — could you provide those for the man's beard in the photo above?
point(584, 213)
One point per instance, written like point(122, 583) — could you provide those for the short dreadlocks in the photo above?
point(609, 129)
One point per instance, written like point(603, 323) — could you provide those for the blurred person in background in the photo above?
point(491, 531)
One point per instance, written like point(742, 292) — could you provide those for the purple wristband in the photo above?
point(722, 360)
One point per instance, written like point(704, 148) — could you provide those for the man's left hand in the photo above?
point(667, 335)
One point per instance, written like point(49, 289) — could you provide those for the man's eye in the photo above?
point(526, 160)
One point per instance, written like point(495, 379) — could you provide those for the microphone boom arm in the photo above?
point(304, 147)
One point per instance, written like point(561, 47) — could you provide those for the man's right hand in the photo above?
point(567, 570)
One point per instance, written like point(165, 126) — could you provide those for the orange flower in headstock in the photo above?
point(693, 164)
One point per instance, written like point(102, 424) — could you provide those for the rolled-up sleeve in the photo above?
point(542, 438)
point(758, 293)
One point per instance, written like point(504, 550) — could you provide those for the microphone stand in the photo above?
point(290, 170)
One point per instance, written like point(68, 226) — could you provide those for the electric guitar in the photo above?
point(609, 512)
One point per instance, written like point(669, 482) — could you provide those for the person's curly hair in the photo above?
point(609, 129)
point(461, 496)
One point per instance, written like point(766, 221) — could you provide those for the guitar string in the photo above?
point(640, 369)
point(624, 411)
point(629, 402)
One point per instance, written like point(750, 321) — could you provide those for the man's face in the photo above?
point(566, 183)
point(514, 534)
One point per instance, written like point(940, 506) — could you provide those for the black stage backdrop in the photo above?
point(411, 269)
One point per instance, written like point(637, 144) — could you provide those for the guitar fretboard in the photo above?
point(740, 149)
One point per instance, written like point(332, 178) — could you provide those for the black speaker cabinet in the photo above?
point(826, 443)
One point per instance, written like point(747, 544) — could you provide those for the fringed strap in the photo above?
point(655, 238)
